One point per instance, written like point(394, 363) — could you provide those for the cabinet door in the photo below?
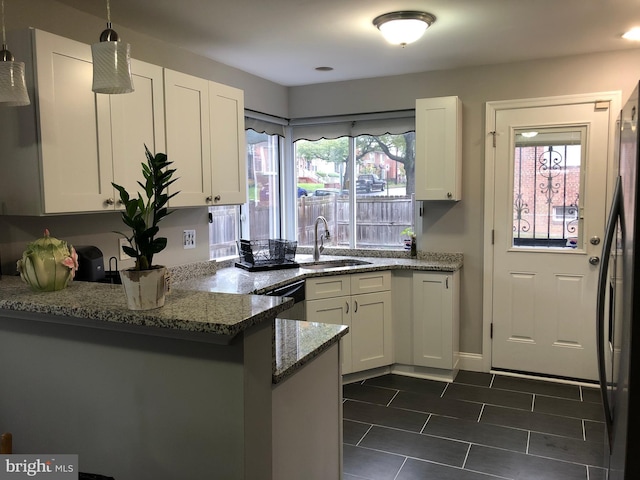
point(435, 320)
point(371, 331)
point(137, 119)
point(76, 176)
point(335, 311)
point(187, 135)
point(228, 162)
point(438, 148)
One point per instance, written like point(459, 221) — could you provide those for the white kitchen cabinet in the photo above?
point(363, 302)
point(438, 165)
point(436, 319)
point(205, 140)
point(135, 119)
point(61, 153)
point(188, 147)
point(228, 159)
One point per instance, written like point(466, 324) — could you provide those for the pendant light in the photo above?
point(13, 89)
point(111, 62)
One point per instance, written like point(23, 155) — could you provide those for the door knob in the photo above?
point(594, 260)
point(595, 240)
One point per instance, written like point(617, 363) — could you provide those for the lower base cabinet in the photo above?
point(369, 343)
point(436, 319)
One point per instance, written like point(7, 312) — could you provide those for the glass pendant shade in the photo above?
point(111, 67)
point(402, 32)
point(13, 89)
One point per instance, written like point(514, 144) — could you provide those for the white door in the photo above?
point(550, 179)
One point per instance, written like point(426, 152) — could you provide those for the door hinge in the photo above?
point(602, 105)
point(494, 133)
point(491, 331)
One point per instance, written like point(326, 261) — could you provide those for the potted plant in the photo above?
point(409, 239)
point(145, 283)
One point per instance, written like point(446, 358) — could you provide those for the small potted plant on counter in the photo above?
point(409, 240)
point(145, 283)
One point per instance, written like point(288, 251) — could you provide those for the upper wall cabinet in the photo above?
point(61, 153)
point(438, 167)
point(205, 140)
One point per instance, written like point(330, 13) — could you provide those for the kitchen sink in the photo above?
point(348, 262)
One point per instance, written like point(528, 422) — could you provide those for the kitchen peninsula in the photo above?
point(185, 391)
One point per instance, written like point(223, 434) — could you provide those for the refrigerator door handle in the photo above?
point(602, 289)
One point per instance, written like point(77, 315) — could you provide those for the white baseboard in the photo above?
point(471, 362)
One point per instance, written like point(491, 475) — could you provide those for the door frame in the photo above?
point(491, 109)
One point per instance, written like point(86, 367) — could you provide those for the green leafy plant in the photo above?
point(407, 232)
point(142, 215)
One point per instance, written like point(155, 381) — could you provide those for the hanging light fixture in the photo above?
point(402, 28)
point(111, 62)
point(13, 89)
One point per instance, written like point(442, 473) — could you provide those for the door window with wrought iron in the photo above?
point(548, 172)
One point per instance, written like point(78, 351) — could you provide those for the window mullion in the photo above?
point(352, 193)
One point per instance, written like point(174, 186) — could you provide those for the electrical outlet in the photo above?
point(189, 239)
point(121, 242)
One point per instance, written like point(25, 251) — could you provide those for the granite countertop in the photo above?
point(297, 343)
point(220, 302)
point(185, 310)
point(236, 280)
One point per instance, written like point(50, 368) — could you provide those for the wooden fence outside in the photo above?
point(379, 222)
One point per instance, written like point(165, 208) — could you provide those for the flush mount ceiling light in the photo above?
point(13, 89)
point(402, 28)
point(111, 62)
point(633, 34)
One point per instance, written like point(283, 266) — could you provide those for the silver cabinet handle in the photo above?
point(208, 199)
point(355, 310)
point(449, 194)
point(109, 201)
point(217, 198)
point(347, 311)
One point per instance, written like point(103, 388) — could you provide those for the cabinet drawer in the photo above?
point(370, 282)
point(327, 287)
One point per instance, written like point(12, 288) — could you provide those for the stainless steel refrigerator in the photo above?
point(619, 307)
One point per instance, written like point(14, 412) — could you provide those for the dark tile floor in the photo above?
point(480, 427)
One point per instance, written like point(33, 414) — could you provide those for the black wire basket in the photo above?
point(267, 252)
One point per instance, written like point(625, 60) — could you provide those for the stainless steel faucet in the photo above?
point(318, 250)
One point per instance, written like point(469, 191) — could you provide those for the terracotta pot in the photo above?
point(144, 289)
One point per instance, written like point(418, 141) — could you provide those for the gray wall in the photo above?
point(458, 227)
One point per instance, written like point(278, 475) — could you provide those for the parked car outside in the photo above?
point(370, 182)
point(323, 192)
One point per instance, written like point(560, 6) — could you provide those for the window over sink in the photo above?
point(359, 174)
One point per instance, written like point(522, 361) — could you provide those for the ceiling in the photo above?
point(285, 40)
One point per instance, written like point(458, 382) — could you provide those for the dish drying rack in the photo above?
point(267, 254)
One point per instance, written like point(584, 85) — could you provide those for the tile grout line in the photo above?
point(393, 398)
point(364, 435)
point(400, 469)
point(533, 402)
point(464, 463)
point(444, 391)
point(528, 441)
point(584, 430)
point(425, 423)
point(581, 394)
point(493, 377)
point(481, 412)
